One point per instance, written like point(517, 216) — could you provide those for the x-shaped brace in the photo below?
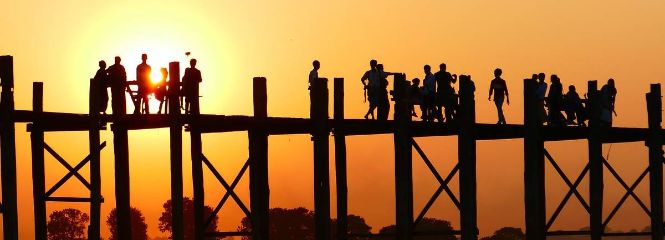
point(630, 191)
point(73, 171)
point(229, 190)
point(571, 185)
point(443, 183)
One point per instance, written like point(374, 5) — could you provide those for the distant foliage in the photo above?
point(286, 224)
point(138, 225)
point(67, 224)
point(507, 233)
point(166, 224)
point(356, 225)
point(426, 225)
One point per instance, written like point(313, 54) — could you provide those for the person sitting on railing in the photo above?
point(99, 94)
point(190, 85)
point(415, 96)
point(572, 105)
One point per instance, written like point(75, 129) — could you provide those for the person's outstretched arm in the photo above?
point(505, 86)
point(489, 97)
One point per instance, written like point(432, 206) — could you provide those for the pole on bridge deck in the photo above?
point(534, 164)
point(197, 171)
point(175, 135)
point(340, 161)
point(121, 155)
point(259, 191)
point(595, 163)
point(8, 150)
point(38, 175)
point(655, 144)
point(467, 160)
point(320, 136)
point(95, 164)
point(403, 161)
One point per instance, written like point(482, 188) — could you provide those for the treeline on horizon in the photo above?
point(293, 223)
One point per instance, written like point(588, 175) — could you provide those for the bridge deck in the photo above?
point(52, 121)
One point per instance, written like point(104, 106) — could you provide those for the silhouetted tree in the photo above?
point(67, 224)
point(507, 233)
point(137, 221)
point(287, 224)
point(165, 224)
point(431, 225)
point(356, 224)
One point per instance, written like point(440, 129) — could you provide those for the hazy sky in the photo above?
point(60, 43)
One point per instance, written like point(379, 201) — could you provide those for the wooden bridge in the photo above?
point(320, 126)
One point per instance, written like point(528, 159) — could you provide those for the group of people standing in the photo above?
point(115, 77)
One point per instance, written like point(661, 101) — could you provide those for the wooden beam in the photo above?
point(175, 136)
point(595, 163)
point(8, 150)
point(340, 162)
point(467, 160)
point(94, 230)
point(259, 191)
point(655, 144)
point(197, 172)
point(121, 155)
point(403, 162)
point(38, 175)
point(534, 164)
point(320, 136)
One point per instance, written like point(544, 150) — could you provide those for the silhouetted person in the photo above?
point(415, 96)
point(554, 101)
point(190, 84)
point(160, 91)
point(118, 79)
point(314, 74)
point(541, 89)
point(500, 89)
point(429, 98)
point(445, 93)
point(572, 105)
point(383, 104)
point(100, 83)
point(371, 87)
point(143, 71)
point(608, 95)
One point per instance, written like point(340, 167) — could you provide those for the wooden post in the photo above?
point(121, 154)
point(176, 154)
point(8, 150)
point(340, 161)
point(258, 154)
point(38, 175)
point(534, 164)
point(197, 171)
point(655, 144)
point(595, 163)
point(95, 165)
point(320, 136)
point(467, 159)
point(403, 161)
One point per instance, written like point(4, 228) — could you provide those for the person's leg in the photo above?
point(499, 110)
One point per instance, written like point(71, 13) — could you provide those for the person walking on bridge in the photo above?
point(500, 89)
point(118, 79)
point(143, 71)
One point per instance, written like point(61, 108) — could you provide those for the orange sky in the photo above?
point(60, 42)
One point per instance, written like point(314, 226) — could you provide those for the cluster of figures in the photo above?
point(576, 108)
point(115, 77)
point(439, 101)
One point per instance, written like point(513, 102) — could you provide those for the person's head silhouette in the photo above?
point(373, 63)
point(442, 67)
point(427, 69)
point(554, 78)
point(117, 60)
point(192, 63)
point(316, 64)
point(610, 82)
point(102, 65)
point(380, 67)
point(571, 88)
point(541, 77)
point(498, 72)
point(144, 57)
point(416, 81)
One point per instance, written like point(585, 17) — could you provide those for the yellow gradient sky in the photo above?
point(60, 42)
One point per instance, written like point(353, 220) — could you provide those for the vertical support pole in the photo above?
point(595, 163)
point(467, 159)
point(534, 164)
point(197, 171)
point(655, 144)
point(340, 160)
point(8, 150)
point(259, 191)
point(176, 154)
point(320, 136)
point(121, 154)
point(95, 167)
point(38, 175)
point(403, 161)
